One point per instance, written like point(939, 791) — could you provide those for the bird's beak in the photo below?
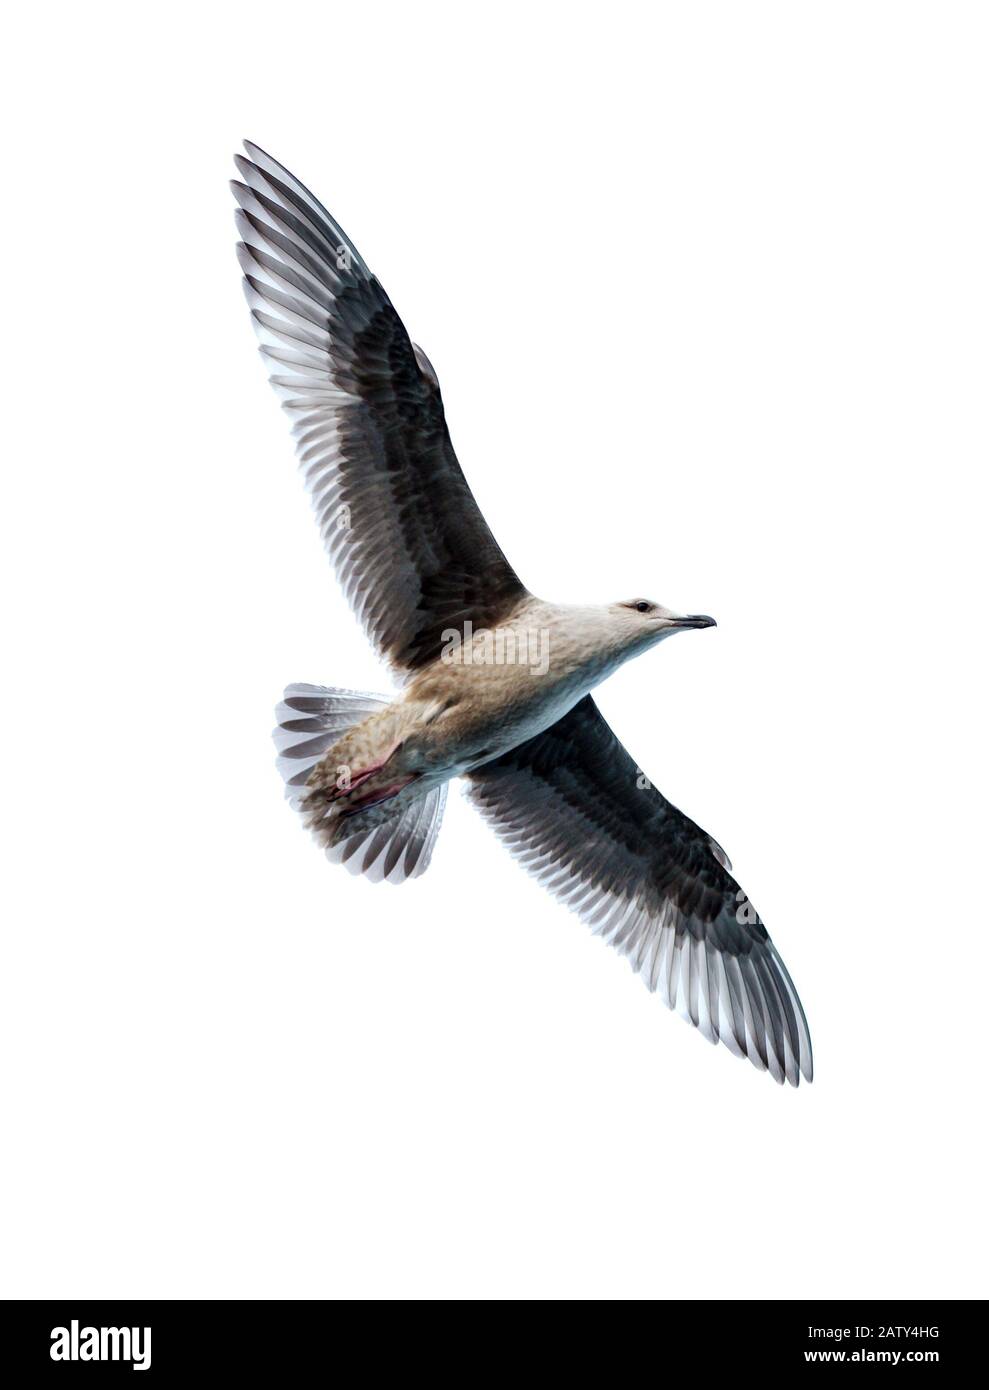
point(693, 620)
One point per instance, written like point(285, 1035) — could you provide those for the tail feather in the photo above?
point(311, 719)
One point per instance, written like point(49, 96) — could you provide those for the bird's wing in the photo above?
point(410, 546)
point(573, 807)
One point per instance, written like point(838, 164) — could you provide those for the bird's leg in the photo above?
point(354, 779)
point(380, 794)
point(374, 796)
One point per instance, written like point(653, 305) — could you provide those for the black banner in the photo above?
point(173, 1339)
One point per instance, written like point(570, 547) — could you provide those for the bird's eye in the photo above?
point(642, 606)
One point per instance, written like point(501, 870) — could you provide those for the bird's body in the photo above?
point(482, 697)
point(494, 682)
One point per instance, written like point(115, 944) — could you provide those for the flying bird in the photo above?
point(494, 683)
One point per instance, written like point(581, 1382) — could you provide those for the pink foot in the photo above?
point(356, 778)
point(375, 798)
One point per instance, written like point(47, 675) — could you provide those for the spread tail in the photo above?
point(311, 719)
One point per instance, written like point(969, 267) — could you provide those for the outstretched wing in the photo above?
point(410, 546)
point(573, 807)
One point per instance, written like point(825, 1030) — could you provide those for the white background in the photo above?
point(707, 290)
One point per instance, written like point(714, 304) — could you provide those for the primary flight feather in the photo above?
point(494, 682)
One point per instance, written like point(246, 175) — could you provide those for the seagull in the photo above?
point(493, 683)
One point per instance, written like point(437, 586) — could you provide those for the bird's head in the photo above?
point(639, 623)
